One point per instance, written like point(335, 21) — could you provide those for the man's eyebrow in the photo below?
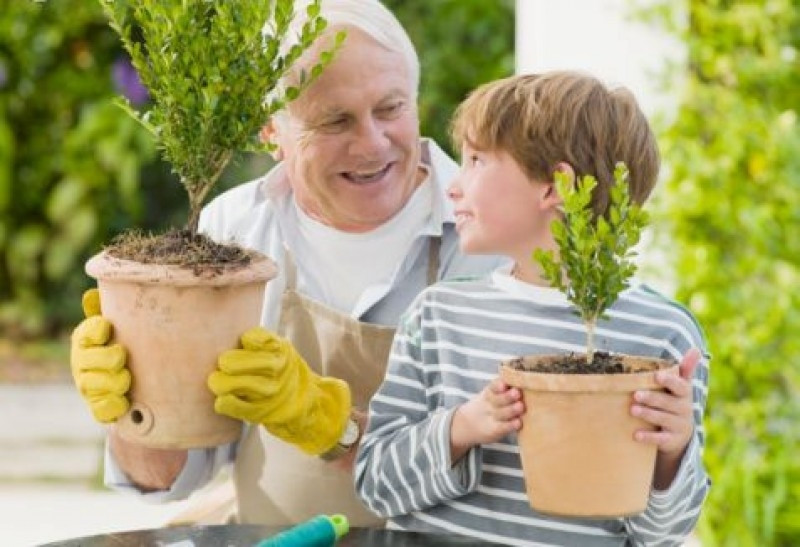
point(315, 118)
point(396, 93)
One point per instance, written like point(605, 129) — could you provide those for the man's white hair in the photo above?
point(369, 16)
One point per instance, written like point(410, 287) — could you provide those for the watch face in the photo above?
point(350, 435)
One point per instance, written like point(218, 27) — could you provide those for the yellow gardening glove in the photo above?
point(268, 383)
point(98, 368)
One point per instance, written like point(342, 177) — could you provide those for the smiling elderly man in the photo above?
point(356, 218)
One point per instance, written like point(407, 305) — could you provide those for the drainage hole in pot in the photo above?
point(137, 417)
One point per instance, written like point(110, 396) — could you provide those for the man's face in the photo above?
point(351, 141)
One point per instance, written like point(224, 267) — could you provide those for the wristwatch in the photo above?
point(345, 443)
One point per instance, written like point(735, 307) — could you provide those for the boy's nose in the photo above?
point(453, 191)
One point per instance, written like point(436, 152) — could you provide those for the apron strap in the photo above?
point(434, 244)
point(290, 269)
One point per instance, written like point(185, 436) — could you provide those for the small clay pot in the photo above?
point(579, 457)
point(173, 325)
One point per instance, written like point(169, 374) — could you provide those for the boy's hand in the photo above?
point(671, 412)
point(488, 417)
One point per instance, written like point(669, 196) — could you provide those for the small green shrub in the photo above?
point(595, 253)
point(208, 66)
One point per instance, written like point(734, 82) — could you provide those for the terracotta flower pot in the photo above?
point(578, 454)
point(174, 324)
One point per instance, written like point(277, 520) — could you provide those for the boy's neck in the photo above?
point(529, 273)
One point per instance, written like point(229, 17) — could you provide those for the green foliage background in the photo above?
point(72, 165)
point(732, 209)
point(461, 44)
point(76, 170)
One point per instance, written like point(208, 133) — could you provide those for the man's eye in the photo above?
point(390, 109)
point(333, 124)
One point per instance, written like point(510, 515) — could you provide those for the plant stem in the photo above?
point(590, 325)
point(198, 196)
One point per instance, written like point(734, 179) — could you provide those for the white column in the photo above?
point(598, 37)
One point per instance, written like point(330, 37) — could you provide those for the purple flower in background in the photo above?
point(127, 82)
point(3, 75)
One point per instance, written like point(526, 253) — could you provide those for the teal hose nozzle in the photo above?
point(320, 531)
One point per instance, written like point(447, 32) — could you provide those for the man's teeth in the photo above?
point(368, 175)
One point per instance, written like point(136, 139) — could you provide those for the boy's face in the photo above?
point(498, 209)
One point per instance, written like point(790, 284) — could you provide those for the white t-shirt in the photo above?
point(347, 263)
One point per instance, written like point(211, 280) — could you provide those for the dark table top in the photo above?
point(247, 535)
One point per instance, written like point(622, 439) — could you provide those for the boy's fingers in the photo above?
point(503, 398)
point(665, 420)
point(689, 362)
point(498, 386)
point(676, 385)
point(506, 413)
point(666, 402)
point(659, 438)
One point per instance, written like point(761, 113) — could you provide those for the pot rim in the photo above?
point(582, 383)
point(104, 267)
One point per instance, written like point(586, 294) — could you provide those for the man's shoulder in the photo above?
point(239, 195)
point(222, 216)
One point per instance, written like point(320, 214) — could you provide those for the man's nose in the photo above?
point(370, 139)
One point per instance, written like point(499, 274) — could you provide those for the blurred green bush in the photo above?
point(461, 44)
point(732, 212)
point(70, 160)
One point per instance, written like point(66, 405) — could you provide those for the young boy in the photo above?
point(439, 452)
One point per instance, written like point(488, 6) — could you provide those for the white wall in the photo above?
point(596, 36)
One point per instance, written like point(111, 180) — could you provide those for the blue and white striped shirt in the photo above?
point(446, 350)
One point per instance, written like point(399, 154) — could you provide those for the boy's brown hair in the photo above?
point(544, 119)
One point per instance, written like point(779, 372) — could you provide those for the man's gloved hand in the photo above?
point(98, 369)
point(268, 383)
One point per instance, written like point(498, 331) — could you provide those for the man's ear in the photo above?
point(269, 136)
point(551, 197)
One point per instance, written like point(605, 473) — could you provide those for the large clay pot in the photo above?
point(174, 324)
point(579, 457)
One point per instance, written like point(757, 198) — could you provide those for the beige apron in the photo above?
point(278, 484)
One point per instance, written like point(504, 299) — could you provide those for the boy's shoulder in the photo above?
point(463, 283)
point(648, 295)
point(648, 301)
point(456, 287)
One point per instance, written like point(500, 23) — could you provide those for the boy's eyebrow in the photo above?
point(466, 141)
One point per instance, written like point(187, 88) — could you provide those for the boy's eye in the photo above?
point(474, 159)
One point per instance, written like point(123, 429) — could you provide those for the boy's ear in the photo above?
point(551, 197)
point(269, 136)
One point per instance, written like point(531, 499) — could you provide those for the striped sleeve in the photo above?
point(404, 462)
point(672, 514)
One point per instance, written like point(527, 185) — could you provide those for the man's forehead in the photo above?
point(328, 105)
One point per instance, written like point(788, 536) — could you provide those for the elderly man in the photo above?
point(356, 218)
